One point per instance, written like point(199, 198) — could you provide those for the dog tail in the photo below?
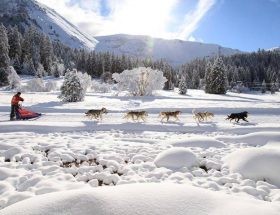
point(227, 117)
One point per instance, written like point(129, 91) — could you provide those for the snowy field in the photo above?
point(230, 168)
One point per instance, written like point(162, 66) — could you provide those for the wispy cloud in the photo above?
point(146, 17)
point(193, 18)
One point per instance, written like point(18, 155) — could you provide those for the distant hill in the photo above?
point(175, 52)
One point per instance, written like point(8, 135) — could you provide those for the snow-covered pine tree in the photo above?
point(273, 88)
point(16, 64)
point(15, 39)
point(263, 87)
point(4, 56)
point(14, 79)
point(195, 79)
point(207, 76)
point(40, 71)
point(71, 89)
point(28, 67)
point(47, 54)
point(183, 86)
point(277, 85)
point(216, 78)
point(58, 69)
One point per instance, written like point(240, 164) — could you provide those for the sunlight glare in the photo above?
point(144, 17)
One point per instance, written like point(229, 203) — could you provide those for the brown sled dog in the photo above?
point(167, 114)
point(136, 115)
point(202, 116)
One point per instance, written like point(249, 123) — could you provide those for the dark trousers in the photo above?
point(14, 111)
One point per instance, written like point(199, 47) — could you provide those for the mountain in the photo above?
point(25, 13)
point(175, 52)
point(277, 49)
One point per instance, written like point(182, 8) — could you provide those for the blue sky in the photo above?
point(243, 24)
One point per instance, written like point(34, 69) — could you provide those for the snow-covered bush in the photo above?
point(140, 81)
point(85, 80)
point(14, 79)
point(35, 85)
point(183, 86)
point(72, 89)
point(240, 88)
point(107, 77)
point(100, 87)
point(51, 86)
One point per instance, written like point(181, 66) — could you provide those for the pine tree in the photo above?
point(28, 66)
point(182, 86)
point(40, 71)
point(47, 55)
point(216, 78)
point(15, 40)
point(273, 88)
point(16, 64)
point(71, 89)
point(4, 56)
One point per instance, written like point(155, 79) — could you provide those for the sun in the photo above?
point(144, 17)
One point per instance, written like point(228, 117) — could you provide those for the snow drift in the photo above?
point(141, 199)
point(256, 163)
point(253, 139)
point(201, 142)
point(175, 158)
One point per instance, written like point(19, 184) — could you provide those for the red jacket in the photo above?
point(16, 99)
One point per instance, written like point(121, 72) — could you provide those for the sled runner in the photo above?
point(24, 114)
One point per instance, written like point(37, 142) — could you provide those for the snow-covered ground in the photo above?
point(64, 150)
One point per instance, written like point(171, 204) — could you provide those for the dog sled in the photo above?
point(25, 114)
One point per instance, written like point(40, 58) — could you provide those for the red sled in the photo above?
point(24, 114)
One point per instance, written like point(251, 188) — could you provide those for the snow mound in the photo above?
point(253, 139)
point(169, 199)
point(176, 158)
point(272, 144)
point(256, 163)
point(201, 142)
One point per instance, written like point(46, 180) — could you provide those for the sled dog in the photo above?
point(238, 116)
point(202, 116)
point(96, 114)
point(136, 115)
point(167, 114)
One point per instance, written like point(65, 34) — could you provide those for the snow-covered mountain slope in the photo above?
point(29, 12)
point(175, 52)
point(277, 49)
